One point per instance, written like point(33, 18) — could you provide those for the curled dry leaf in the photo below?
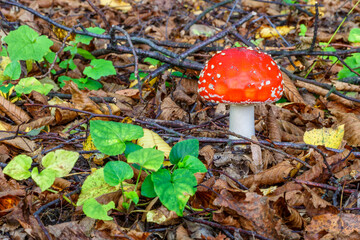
point(208, 153)
point(343, 86)
point(40, 122)
point(180, 95)
point(14, 112)
point(290, 91)
point(290, 216)
point(171, 111)
point(315, 205)
point(352, 127)
point(271, 176)
point(254, 210)
point(63, 116)
point(18, 142)
point(343, 226)
point(321, 91)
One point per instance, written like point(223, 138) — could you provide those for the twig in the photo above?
point(187, 26)
point(100, 13)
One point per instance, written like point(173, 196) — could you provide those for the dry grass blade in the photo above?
point(14, 112)
point(290, 91)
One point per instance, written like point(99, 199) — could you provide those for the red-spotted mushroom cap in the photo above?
point(241, 76)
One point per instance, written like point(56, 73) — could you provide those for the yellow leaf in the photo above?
point(152, 139)
point(269, 32)
point(88, 145)
point(117, 4)
point(326, 136)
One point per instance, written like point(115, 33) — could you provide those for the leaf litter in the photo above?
point(255, 192)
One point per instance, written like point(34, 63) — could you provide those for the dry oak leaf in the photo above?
point(344, 226)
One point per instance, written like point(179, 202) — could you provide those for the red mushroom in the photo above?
point(241, 77)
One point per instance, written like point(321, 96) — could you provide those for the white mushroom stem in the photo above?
point(242, 120)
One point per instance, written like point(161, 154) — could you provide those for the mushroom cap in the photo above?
point(241, 76)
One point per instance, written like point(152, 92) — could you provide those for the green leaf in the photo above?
point(85, 54)
point(133, 196)
point(24, 43)
point(68, 63)
point(353, 62)
point(148, 158)
point(50, 56)
point(35, 131)
point(44, 179)
point(87, 39)
point(303, 30)
point(147, 188)
point(110, 137)
point(184, 148)
point(81, 83)
point(117, 172)
point(95, 186)
point(141, 76)
point(354, 35)
point(13, 70)
point(152, 61)
point(18, 167)
point(61, 161)
point(174, 190)
point(96, 210)
point(131, 147)
point(27, 85)
point(6, 88)
point(100, 68)
point(193, 164)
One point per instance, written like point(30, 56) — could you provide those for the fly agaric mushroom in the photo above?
point(241, 77)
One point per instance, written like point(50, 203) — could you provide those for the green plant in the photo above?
point(303, 30)
point(98, 67)
point(173, 186)
point(56, 164)
point(26, 44)
point(354, 60)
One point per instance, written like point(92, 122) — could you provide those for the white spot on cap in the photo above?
point(222, 53)
point(209, 74)
point(254, 72)
point(204, 81)
point(273, 63)
point(220, 63)
point(267, 82)
point(218, 75)
point(211, 86)
point(269, 68)
point(206, 97)
point(212, 66)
